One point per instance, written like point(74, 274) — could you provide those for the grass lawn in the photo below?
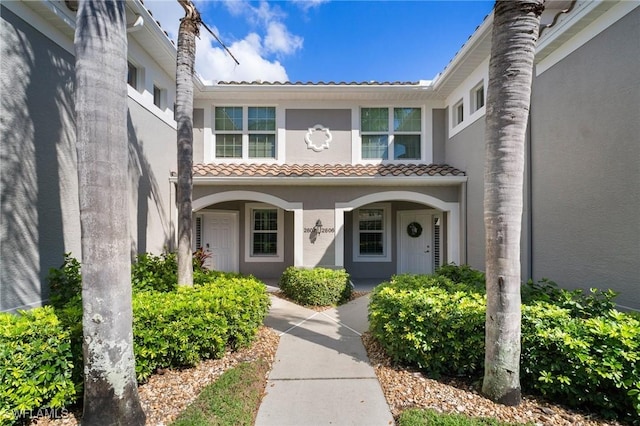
point(419, 417)
point(233, 399)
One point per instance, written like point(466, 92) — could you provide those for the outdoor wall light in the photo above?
point(318, 226)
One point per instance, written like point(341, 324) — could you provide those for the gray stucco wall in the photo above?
point(38, 175)
point(152, 156)
point(298, 122)
point(465, 151)
point(586, 165)
point(40, 218)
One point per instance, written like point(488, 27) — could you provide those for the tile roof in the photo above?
point(323, 170)
point(325, 83)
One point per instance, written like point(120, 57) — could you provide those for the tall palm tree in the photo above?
point(189, 29)
point(513, 43)
point(110, 388)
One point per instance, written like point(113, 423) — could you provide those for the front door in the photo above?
point(220, 240)
point(415, 242)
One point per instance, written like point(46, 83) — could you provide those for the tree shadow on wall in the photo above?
point(38, 177)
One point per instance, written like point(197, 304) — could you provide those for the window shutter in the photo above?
point(198, 232)
point(436, 242)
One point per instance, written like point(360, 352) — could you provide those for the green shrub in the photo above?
point(316, 287)
point(420, 322)
point(64, 282)
point(181, 328)
point(35, 363)
point(154, 273)
point(464, 274)
point(584, 362)
point(575, 347)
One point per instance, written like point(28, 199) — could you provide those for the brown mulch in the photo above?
point(406, 388)
point(169, 392)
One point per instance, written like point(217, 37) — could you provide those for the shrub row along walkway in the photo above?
point(321, 374)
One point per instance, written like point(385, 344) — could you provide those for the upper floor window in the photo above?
point(458, 113)
point(391, 133)
point(132, 75)
point(477, 97)
point(159, 96)
point(245, 132)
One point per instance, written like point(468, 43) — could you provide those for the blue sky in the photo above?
point(320, 40)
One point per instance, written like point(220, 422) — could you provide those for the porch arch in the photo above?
point(296, 208)
point(450, 209)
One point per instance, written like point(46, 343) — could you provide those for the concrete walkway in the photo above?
point(321, 374)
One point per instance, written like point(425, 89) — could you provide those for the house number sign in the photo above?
point(414, 229)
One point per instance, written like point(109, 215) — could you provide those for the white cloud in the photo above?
point(258, 52)
point(306, 5)
point(213, 64)
point(280, 41)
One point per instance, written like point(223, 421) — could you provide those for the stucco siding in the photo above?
point(586, 165)
point(338, 125)
point(40, 220)
point(465, 151)
point(152, 156)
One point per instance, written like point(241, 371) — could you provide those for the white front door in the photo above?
point(220, 240)
point(415, 242)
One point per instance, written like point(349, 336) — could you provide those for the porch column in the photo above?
point(339, 235)
point(453, 233)
point(298, 238)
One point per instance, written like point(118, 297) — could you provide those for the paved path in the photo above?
point(321, 374)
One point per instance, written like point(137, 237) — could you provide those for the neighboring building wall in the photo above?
point(465, 151)
point(152, 156)
point(586, 165)
point(40, 217)
point(40, 220)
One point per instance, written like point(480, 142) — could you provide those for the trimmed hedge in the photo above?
point(41, 349)
point(36, 363)
point(575, 348)
point(317, 286)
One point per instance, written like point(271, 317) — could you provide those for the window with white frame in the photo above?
point(132, 75)
point(477, 97)
point(372, 239)
point(391, 133)
point(245, 132)
point(265, 237)
point(458, 113)
point(159, 95)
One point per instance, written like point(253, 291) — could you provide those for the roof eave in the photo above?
point(327, 180)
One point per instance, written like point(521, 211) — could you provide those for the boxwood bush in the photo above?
point(575, 347)
point(41, 349)
point(317, 286)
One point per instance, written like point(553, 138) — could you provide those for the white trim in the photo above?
point(451, 209)
point(386, 235)
point(236, 230)
point(248, 215)
point(35, 20)
point(207, 200)
point(602, 23)
point(463, 93)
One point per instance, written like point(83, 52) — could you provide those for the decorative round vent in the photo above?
point(308, 138)
point(414, 229)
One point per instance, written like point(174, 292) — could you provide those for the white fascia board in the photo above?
point(477, 36)
point(329, 181)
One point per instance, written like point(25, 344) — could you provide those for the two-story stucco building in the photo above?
point(378, 178)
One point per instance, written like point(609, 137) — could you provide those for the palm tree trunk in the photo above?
point(515, 33)
point(110, 388)
point(189, 28)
